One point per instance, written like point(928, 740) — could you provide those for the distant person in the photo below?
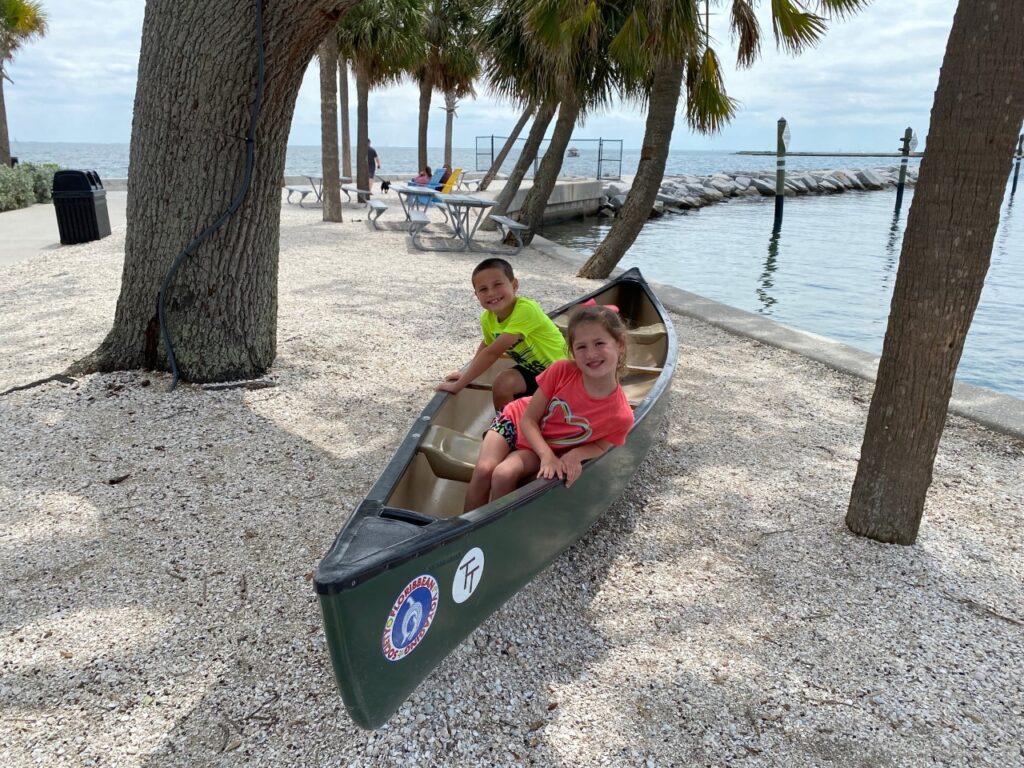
point(372, 161)
point(513, 324)
point(424, 176)
point(445, 175)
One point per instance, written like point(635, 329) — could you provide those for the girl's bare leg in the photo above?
point(493, 450)
point(516, 466)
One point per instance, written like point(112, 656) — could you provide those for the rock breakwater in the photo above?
point(681, 193)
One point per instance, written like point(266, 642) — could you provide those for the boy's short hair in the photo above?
point(494, 263)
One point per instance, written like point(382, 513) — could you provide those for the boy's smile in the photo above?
point(496, 292)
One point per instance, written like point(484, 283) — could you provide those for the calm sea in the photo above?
point(830, 271)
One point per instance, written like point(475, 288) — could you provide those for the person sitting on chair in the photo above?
point(446, 174)
point(424, 176)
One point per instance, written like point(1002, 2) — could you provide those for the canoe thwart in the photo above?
point(451, 455)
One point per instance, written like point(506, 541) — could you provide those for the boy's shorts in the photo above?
point(505, 427)
point(529, 378)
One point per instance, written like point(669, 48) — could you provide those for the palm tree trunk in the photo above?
point(331, 190)
point(346, 138)
point(532, 212)
point(946, 252)
point(5, 142)
point(426, 89)
point(362, 127)
point(485, 182)
point(530, 148)
point(450, 106)
point(222, 303)
point(661, 119)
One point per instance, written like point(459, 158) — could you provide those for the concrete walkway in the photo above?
point(28, 231)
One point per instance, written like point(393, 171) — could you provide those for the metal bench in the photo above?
point(300, 191)
point(417, 223)
point(375, 209)
point(364, 194)
point(513, 227)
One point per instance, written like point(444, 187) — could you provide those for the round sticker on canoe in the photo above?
point(410, 617)
point(468, 575)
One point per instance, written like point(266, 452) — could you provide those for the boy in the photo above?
point(512, 324)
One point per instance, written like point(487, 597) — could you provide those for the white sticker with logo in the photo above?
point(468, 575)
point(410, 617)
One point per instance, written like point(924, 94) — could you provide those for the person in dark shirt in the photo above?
point(372, 161)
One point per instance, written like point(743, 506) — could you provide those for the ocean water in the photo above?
point(830, 270)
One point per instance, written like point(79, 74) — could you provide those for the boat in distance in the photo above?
point(411, 575)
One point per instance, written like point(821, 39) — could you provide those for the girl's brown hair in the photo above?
point(608, 320)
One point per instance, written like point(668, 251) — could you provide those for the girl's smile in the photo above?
point(596, 353)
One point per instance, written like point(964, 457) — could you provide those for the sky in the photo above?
point(871, 77)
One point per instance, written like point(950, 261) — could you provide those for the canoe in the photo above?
point(410, 575)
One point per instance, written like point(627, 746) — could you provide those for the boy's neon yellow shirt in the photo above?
point(540, 342)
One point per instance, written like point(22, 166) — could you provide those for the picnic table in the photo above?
point(414, 197)
point(316, 188)
point(462, 209)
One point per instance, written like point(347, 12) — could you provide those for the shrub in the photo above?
point(42, 179)
point(16, 189)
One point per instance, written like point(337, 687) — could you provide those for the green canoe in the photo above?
point(410, 575)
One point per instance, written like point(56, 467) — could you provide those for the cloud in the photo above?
point(872, 75)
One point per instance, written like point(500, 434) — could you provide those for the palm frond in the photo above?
point(795, 29)
point(708, 106)
point(746, 31)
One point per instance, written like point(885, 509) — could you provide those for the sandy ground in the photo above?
point(156, 552)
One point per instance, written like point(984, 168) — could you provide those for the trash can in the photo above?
point(81, 205)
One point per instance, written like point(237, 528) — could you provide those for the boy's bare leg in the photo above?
point(516, 466)
point(506, 386)
point(493, 450)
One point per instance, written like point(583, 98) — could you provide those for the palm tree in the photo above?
point(946, 252)
point(688, 53)
point(510, 141)
point(519, 70)
point(20, 22)
point(450, 62)
point(346, 140)
point(579, 39)
point(383, 40)
point(331, 184)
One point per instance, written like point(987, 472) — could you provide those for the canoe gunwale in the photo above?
point(333, 576)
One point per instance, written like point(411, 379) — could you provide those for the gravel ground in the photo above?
point(156, 552)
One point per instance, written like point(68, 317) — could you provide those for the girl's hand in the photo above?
point(551, 466)
point(573, 466)
point(449, 386)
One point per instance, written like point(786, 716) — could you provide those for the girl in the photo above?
point(425, 175)
point(578, 412)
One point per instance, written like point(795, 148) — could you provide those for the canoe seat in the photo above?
point(645, 334)
point(451, 455)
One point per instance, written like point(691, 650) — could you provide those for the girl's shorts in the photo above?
point(505, 427)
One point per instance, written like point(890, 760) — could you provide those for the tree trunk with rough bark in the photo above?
point(331, 189)
point(426, 90)
point(661, 119)
point(5, 141)
point(532, 212)
point(450, 105)
point(362, 129)
point(346, 136)
point(510, 142)
point(188, 157)
point(530, 148)
point(947, 247)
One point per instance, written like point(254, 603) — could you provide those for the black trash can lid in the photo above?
point(76, 181)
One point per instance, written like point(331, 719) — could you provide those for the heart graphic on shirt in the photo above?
point(580, 422)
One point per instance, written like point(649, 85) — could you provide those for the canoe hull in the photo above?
point(405, 581)
point(516, 547)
